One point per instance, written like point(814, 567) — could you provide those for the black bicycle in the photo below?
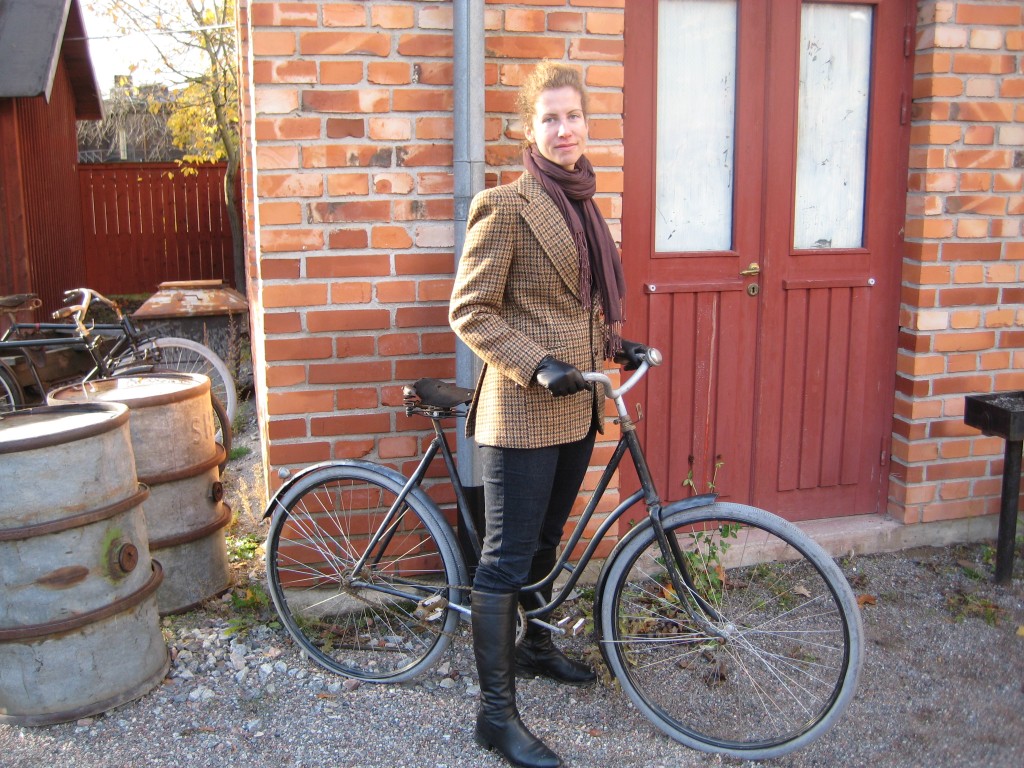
point(725, 624)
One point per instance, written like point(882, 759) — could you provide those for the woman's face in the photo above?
point(559, 127)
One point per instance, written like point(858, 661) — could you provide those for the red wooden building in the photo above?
point(46, 84)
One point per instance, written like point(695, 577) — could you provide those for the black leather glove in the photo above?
point(631, 355)
point(559, 378)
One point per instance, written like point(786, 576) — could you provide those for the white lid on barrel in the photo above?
point(50, 425)
point(136, 390)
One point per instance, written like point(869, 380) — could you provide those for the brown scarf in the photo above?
point(580, 184)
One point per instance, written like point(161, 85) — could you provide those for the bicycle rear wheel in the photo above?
point(787, 664)
point(390, 620)
point(10, 391)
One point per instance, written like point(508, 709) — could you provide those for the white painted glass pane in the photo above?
point(696, 109)
point(835, 76)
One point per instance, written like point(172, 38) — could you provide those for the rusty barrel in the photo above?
point(177, 457)
point(79, 629)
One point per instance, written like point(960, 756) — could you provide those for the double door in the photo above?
point(765, 183)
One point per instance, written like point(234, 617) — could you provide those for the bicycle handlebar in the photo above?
point(81, 309)
point(651, 359)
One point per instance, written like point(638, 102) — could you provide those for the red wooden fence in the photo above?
point(145, 223)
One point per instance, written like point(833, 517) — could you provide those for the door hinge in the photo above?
point(903, 108)
point(908, 40)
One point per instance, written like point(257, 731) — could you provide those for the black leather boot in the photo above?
point(498, 724)
point(537, 654)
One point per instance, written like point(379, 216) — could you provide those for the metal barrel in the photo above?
point(79, 629)
point(177, 457)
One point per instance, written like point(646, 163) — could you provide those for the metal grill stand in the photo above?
point(1002, 415)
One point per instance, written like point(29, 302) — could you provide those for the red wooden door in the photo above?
point(761, 234)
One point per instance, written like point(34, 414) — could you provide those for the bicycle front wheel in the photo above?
point(762, 653)
point(363, 584)
point(186, 356)
point(10, 391)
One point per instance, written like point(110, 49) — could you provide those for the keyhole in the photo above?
point(753, 289)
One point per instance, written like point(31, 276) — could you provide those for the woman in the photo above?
point(538, 297)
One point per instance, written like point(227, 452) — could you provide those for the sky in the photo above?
point(113, 54)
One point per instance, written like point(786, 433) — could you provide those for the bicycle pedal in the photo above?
point(431, 608)
point(575, 628)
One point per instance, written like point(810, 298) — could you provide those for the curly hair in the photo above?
point(546, 76)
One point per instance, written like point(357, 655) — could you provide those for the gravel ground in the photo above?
point(942, 685)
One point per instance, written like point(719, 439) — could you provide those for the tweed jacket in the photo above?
point(515, 301)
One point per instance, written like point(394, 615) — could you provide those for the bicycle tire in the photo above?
point(385, 630)
point(10, 391)
point(170, 353)
point(789, 666)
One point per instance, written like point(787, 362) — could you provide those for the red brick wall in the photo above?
point(351, 112)
point(962, 316)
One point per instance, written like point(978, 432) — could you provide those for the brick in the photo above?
point(435, 183)
point(284, 429)
point(435, 290)
point(423, 154)
point(363, 265)
point(605, 23)
point(283, 14)
point(1008, 14)
point(605, 76)
point(423, 209)
point(278, 268)
point(396, 292)
point(937, 87)
point(352, 449)
point(290, 185)
point(272, 213)
point(1011, 88)
point(981, 204)
point(971, 251)
point(390, 237)
point(434, 73)
point(524, 47)
point(983, 112)
point(932, 62)
point(425, 317)
point(427, 236)
point(983, 87)
point(438, 17)
point(561, 21)
point(287, 129)
point(965, 319)
point(304, 453)
point(359, 100)
point(277, 157)
point(341, 72)
point(351, 345)
point(979, 134)
point(390, 129)
point(981, 158)
point(596, 49)
point(1015, 40)
point(425, 264)
point(392, 16)
point(348, 184)
point(344, 43)
point(422, 100)
point(426, 45)
point(346, 155)
point(303, 348)
point(365, 210)
point(960, 342)
point(524, 20)
point(283, 240)
point(392, 183)
point(348, 373)
point(983, 64)
point(343, 128)
point(305, 295)
point(347, 320)
point(347, 239)
point(344, 15)
point(270, 72)
point(273, 43)
point(428, 128)
point(351, 293)
point(286, 375)
point(389, 72)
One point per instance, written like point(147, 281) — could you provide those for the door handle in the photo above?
point(752, 269)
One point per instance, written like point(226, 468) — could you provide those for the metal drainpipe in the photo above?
point(468, 33)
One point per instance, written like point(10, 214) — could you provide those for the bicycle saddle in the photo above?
point(17, 300)
point(436, 393)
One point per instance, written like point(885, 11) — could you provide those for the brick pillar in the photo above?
point(962, 321)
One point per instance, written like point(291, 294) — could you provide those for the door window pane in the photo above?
point(696, 108)
point(835, 75)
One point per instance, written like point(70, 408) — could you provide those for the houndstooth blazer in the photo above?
point(515, 301)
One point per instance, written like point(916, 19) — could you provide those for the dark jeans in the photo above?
point(528, 495)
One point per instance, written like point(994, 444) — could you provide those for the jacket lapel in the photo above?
point(545, 221)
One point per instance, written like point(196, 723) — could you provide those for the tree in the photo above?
point(134, 127)
point(196, 44)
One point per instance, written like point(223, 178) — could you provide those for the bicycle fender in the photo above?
point(694, 502)
point(392, 474)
